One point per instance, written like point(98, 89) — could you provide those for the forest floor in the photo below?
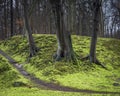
point(49, 86)
point(42, 68)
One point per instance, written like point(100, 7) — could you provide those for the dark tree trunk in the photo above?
point(84, 25)
point(5, 21)
point(92, 54)
point(97, 6)
point(63, 35)
point(32, 47)
point(11, 9)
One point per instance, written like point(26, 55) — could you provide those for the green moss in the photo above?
point(37, 92)
point(8, 75)
point(83, 75)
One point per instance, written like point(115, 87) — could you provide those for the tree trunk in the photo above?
point(11, 9)
point(5, 20)
point(32, 47)
point(63, 35)
point(92, 54)
point(95, 31)
point(101, 23)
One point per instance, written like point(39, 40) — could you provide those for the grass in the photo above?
point(82, 75)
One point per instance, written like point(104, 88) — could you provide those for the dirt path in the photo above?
point(49, 86)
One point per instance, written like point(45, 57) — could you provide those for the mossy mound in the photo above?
point(83, 74)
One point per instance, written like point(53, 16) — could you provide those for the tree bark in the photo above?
point(5, 21)
point(97, 5)
point(33, 49)
point(63, 35)
point(11, 9)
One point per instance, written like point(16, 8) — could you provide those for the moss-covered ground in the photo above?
point(82, 75)
point(9, 76)
point(12, 83)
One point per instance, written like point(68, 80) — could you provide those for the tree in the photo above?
point(116, 24)
point(116, 4)
point(65, 48)
point(96, 5)
point(5, 19)
point(11, 9)
point(1, 21)
point(92, 55)
point(33, 49)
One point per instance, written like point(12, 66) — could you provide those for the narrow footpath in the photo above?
point(49, 86)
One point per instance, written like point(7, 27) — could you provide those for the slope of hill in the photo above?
point(9, 76)
point(12, 83)
point(82, 75)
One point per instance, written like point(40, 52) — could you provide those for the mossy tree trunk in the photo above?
point(65, 48)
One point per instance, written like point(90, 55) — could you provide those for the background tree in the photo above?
point(79, 18)
point(11, 11)
point(116, 23)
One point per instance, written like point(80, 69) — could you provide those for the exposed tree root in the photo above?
point(85, 58)
point(99, 63)
point(96, 61)
point(33, 51)
point(58, 57)
point(70, 57)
